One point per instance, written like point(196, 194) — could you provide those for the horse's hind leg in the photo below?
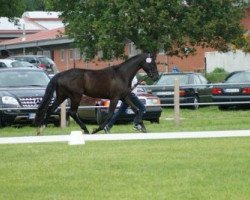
point(75, 101)
point(54, 106)
point(51, 109)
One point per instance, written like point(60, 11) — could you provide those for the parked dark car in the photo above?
point(21, 91)
point(194, 88)
point(98, 115)
point(39, 61)
point(235, 88)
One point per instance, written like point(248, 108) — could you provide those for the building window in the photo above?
point(38, 53)
point(132, 50)
point(77, 54)
point(62, 54)
point(161, 51)
point(71, 54)
point(47, 54)
point(100, 54)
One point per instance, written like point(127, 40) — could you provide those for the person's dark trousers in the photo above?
point(141, 109)
point(123, 108)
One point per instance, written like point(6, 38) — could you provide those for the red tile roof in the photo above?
point(42, 35)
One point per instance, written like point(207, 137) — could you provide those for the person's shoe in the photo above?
point(106, 129)
point(140, 128)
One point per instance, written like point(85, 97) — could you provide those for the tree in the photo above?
point(175, 26)
point(34, 5)
point(11, 8)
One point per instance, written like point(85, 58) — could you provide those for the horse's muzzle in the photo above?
point(155, 77)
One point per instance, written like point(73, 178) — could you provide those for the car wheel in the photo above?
point(99, 116)
point(196, 103)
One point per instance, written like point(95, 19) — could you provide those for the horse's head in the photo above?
point(149, 66)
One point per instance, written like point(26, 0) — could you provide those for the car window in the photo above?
point(241, 77)
point(23, 78)
point(2, 65)
point(197, 81)
point(203, 79)
point(169, 79)
point(17, 64)
point(27, 59)
point(45, 60)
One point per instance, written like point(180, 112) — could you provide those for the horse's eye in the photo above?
point(149, 60)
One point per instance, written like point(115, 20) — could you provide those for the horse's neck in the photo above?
point(131, 67)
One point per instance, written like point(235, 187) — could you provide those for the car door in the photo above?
point(204, 89)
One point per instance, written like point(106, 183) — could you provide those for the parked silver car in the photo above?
point(40, 61)
point(9, 63)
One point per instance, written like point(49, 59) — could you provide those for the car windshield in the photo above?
point(23, 78)
point(169, 79)
point(241, 77)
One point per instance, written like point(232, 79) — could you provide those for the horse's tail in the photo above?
point(43, 107)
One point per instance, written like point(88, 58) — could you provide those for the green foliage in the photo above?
point(218, 75)
point(14, 9)
point(177, 26)
point(34, 5)
point(11, 8)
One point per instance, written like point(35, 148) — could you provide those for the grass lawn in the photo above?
point(159, 169)
point(206, 118)
point(162, 169)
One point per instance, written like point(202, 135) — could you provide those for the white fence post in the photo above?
point(177, 101)
point(63, 114)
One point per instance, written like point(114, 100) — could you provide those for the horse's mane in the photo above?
point(126, 61)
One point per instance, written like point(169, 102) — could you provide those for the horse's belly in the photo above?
point(98, 94)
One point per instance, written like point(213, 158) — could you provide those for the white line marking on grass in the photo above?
point(168, 135)
point(76, 137)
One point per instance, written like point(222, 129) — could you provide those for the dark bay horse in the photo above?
point(112, 83)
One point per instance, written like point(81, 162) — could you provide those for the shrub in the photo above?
point(218, 75)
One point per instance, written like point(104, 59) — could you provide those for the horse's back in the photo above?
point(102, 83)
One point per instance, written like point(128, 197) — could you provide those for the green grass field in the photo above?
point(203, 119)
point(159, 169)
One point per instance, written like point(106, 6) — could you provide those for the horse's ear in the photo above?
point(152, 55)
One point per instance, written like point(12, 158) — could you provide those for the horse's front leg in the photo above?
point(112, 107)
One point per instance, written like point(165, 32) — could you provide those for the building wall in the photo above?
point(164, 63)
point(191, 63)
point(246, 20)
point(230, 61)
